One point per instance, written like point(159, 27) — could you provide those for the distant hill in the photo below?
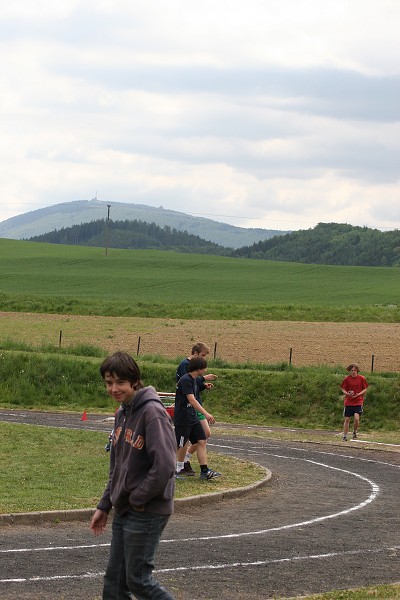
point(66, 214)
point(330, 244)
point(130, 235)
point(327, 243)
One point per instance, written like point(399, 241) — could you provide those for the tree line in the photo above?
point(330, 244)
point(326, 243)
point(129, 235)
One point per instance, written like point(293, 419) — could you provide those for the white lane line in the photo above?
point(51, 548)
point(359, 458)
point(258, 563)
point(262, 563)
point(93, 428)
point(377, 443)
point(258, 452)
point(371, 498)
point(53, 578)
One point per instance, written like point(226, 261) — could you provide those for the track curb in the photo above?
point(84, 514)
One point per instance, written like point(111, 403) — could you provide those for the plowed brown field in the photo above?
point(239, 341)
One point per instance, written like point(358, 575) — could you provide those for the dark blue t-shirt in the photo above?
point(182, 369)
point(185, 414)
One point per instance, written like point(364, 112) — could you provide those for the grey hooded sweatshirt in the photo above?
point(142, 458)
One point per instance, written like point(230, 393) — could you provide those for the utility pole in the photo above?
point(107, 224)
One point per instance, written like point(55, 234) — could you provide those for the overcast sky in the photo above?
point(260, 113)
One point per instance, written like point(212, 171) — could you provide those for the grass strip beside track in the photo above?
point(51, 469)
point(378, 592)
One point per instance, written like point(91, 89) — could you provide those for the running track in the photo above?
point(328, 519)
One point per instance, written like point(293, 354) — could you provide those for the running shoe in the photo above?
point(344, 438)
point(187, 467)
point(184, 473)
point(354, 435)
point(209, 474)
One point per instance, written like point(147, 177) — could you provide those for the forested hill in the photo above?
point(130, 235)
point(330, 244)
point(327, 243)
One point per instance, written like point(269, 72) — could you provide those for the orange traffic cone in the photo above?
point(84, 416)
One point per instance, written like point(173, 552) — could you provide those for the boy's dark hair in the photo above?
point(200, 347)
point(196, 363)
point(123, 366)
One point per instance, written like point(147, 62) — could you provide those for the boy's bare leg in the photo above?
point(180, 455)
point(356, 422)
point(202, 452)
point(192, 448)
point(206, 427)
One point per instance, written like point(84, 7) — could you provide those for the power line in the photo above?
point(202, 214)
point(271, 219)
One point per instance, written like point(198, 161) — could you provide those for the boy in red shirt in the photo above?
point(354, 387)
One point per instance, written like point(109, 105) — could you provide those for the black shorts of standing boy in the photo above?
point(193, 432)
point(350, 411)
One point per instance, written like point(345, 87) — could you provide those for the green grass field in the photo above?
point(35, 484)
point(78, 280)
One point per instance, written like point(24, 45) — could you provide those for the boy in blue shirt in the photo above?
point(186, 420)
point(204, 383)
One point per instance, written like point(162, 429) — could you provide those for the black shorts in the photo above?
point(350, 411)
point(194, 433)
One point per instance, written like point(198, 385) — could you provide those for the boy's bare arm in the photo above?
point(351, 394)
point(197, 406)
point(210, 377)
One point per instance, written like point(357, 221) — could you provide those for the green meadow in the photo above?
point(51, 278)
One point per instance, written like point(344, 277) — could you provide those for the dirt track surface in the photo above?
point(255, 341)
point(329, 519)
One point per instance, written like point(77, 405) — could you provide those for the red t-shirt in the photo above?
point(355, 385)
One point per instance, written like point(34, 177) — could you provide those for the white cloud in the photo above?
point(273, 114)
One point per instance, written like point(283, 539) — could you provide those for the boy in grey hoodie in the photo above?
point(141, 482)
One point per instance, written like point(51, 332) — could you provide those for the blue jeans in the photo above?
point(135, 538)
